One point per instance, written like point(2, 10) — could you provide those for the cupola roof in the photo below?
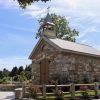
point(48, 20)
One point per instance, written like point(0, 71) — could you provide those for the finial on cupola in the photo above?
point(48, 26)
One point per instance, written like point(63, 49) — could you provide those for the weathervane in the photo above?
point(48, 9)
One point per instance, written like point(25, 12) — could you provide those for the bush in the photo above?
point(33, 90)
point(5, 80)
point(58, 93)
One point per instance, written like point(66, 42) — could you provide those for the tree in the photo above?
point(28, 75)
point(20, 70)
point(21, 77)
point(24, 3)
point(62, 29)
point(5, 72)
point(28, 68)
point(4, 76)
point(14, 71)
point(28, 72)
point(1, 74)
point(5, 80)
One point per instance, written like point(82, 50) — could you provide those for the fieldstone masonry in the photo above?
point(67, 67)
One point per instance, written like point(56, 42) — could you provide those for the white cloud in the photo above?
point(34, 11)
point(97, 47)
point(13, 61)
point(81, 6)
point(94, 29)
point(78, 10)
point(17, 28)
point(9, 4)
point(83, 41)
point(82, 35)
point(69, 8)
point(88, 31)
point(66, 7)
point(17, 40)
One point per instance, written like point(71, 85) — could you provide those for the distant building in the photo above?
point(54, 58)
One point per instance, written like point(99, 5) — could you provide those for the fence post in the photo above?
point(96, 90)
point(72, 90)
point(44, 92)
point(23, 90)
point(56, 87)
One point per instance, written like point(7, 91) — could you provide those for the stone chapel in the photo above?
point(54, 58)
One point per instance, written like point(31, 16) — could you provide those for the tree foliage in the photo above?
point(4, 76)
point(22, 77)
point(62, 29)
point(28, 72)
point(1, 74)
point(5, 72)
point(20, 70)
point(16, 74)
point(24, 3)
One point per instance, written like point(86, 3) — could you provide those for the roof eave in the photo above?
point(81, 53)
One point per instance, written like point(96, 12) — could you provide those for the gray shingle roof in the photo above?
point(76, 47)
point(67, 46)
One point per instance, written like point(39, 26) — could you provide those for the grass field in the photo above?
point(68, 95)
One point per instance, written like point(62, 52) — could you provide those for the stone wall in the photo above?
point(77, 68)
point(7, 87)
point(36, 73)
point(67, 67)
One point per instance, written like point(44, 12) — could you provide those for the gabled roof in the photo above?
point(67, 46)
point(75, 47)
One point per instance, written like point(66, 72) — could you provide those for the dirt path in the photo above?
point(7, 95)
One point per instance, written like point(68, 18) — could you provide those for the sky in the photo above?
point(18, 26)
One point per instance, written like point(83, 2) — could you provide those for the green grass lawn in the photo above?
point(68, 95)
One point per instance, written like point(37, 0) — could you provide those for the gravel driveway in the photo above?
point(7, 95)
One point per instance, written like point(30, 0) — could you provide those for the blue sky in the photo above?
point(18, 27)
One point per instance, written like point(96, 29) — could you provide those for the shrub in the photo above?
point(84, 92)
point(33, 90)
point(58, 93)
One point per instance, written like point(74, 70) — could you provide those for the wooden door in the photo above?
point(44, 71)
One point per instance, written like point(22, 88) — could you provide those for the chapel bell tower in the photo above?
point(48, 27)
